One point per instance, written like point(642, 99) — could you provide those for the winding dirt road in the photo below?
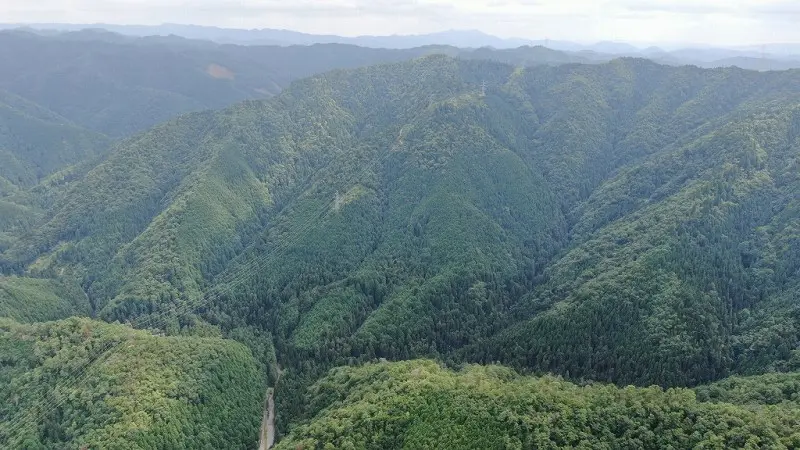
point(267, 438)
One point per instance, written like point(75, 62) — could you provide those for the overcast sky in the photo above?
point(726, 22)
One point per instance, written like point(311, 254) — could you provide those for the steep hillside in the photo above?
point(35, 142)
point(178, 202)
point(650, 211)
point(623, 222)
point(119, 85)
point(769, 389)
point(418, 404)
point(40, 300)
point(692, 254)
point(84, 384)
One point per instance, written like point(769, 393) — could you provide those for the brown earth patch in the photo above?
point(220, 72)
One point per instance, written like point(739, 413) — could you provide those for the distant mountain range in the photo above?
point(253, 228)
point(456, 38)
point(66, 96)
point(118, 85)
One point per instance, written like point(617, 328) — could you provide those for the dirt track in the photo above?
point(267, 438)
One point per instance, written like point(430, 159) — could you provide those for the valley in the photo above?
point(443, 248)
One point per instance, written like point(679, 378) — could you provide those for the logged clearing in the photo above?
point(220, 72)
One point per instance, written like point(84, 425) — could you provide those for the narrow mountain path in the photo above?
point(267, 437)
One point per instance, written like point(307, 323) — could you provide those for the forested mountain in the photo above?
point(54, 89)
point(623, 222)
point(62, 389)
point(38, 299)
point(760, 57)
point(35, 142)
point(120, 85)
point(418, 404)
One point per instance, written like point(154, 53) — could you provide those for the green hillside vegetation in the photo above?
point(768, 389)
point(119, 86)
point(35, 142)
point(14, 218)
point(639, 239)
point(6, 187)
point(79, 383)
point(460, 217)
point(53, 89)
point(698, 263)
point(627, 222)
point(40, 300)
point(418, 404)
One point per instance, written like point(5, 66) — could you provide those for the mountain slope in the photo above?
point(418, 404)
point(624, 222)
point(683, 248)
point(40, 300)
point(35, 142)
point(120, 85)
point(81, 383)
point(589, 127)
point(185, 188)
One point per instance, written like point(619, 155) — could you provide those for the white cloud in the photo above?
point(709, 21)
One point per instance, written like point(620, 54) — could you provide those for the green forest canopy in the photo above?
point(626, 222)
point(80, 383)
point(419, 405)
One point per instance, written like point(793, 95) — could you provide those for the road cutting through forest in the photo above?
point(267, 437)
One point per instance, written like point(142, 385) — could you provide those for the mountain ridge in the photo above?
point(626, 222)
point(686, 52)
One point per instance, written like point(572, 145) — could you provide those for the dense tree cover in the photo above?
point(624, 222)
point(400, 189)
point(39, 300)
point(121, 86)
point(118, 85)
point(53, 88)
point(15, 218)
point(632, 187)
point(35, 142)
point(419, 404)
point(699, 266)
point(768, 389)
point(79, 383)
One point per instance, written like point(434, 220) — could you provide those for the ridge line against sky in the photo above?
point(710, 22)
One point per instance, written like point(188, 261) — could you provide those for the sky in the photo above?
point(712, 22)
